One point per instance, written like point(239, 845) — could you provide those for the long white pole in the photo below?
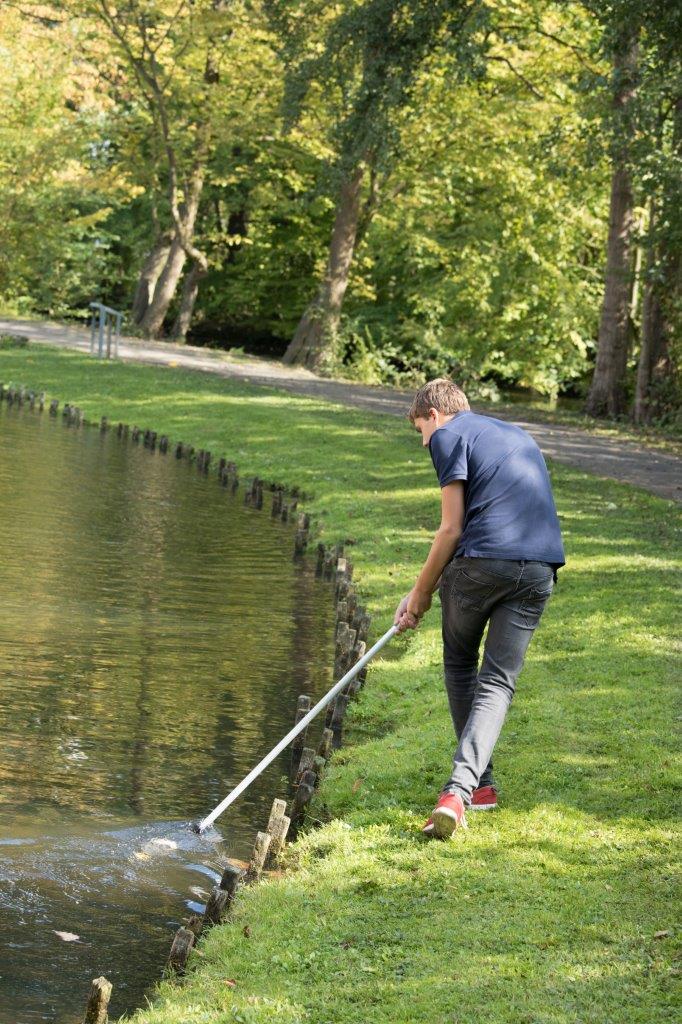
point(299, 727)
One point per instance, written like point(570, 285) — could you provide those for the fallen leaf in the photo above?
point(662, 935)
point(230, 981)
point(247, 932)
point(67, 936)
point(356, 785)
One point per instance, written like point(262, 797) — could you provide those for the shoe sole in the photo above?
point(445, 822)
point(483, 807)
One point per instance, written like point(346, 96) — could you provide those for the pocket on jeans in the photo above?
point(533, 605)
point(468, 592)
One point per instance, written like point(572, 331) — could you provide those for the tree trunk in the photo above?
point(151, 269)
point(652, 349)
point(662, 301)
point(314, 342)
point(607, 393)
point(190, 290)
point(152, 322)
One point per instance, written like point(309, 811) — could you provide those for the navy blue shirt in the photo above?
point(509, 509)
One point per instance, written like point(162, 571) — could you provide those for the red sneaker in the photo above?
point(446, 816)
point(484, 799)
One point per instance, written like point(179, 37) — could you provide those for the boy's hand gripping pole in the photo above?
point(299, 727)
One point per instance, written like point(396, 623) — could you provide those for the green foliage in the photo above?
point(487, 128)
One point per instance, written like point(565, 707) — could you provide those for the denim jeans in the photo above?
point(508, 596)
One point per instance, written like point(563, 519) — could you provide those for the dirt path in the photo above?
point(658, 472)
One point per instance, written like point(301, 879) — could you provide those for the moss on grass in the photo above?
point(557, 909)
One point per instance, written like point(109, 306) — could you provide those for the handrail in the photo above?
point(105, 320)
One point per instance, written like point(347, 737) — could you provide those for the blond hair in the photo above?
point(441, 394)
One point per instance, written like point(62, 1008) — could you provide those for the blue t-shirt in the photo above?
point(509, 509)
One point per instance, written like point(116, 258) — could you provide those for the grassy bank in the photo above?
point(558, 908)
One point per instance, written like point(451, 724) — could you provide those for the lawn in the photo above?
point(558, 908)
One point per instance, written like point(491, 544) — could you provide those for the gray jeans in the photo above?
point(510, 597)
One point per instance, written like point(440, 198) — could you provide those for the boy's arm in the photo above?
point(444, 545)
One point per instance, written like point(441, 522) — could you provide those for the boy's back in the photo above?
point(509, 508)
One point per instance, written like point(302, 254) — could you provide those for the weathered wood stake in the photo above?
point(217, 906)
point(98, 1002)
point(305, 763)
point(232, 878)
point(182, 944)
point(326, 743)
point(303, 706)
point(260, 852)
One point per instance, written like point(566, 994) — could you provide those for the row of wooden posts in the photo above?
point(307, 762)
point(307, 766)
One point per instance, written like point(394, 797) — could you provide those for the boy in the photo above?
point(494, 560)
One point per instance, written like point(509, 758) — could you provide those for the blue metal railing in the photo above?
point(106, 326)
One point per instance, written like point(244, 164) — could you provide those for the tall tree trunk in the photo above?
point(662, 303)
point(314, 342)
point(653, 349)
point(607, 393)
point(152, 322)
point(190, 290)
point(154, 263)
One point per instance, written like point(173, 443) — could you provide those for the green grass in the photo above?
point(559, 908)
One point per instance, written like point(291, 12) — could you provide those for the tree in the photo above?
point(607, 391)
point(368, 61)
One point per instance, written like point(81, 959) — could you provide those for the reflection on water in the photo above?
point(154, 636)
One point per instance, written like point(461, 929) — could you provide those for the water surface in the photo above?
point(154, 636)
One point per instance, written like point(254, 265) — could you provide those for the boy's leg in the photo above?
point(460, 663)
point(513, 620)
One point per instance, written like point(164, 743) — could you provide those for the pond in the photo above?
point(155, 634)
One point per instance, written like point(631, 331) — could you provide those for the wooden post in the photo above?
point(178, 450)
point(303, 706)
point(135, 434)
point(260, 852)
point(325, 748)
point(340, 705)
point(217, 906)
point(320, 559)
point(302, 797)
point(54, 405)
point(98, 1002)
point(328, 564)
point(163, 444)
point(358, 652)
point(41, 401)
point(182, 944)
point(278, 826)
point(195, 925)
point(103, 424)
point(305, 763)
point(232, 878)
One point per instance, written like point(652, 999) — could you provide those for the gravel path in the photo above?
point(627, 461)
